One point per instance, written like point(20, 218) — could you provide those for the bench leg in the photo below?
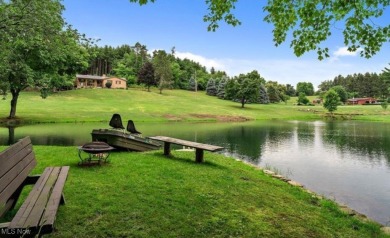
point(199, 155)
point(62, 201)
point(167, 148)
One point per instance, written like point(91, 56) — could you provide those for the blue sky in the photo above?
point(179, 23)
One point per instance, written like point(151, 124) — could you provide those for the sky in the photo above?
point(179, 23)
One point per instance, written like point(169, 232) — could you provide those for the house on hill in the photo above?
point(93, 81)
point(361, 101)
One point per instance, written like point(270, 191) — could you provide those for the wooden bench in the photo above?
point(199, 147)
point(38, 212)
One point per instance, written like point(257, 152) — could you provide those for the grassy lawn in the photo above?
point(93, 105)
point(148, 195)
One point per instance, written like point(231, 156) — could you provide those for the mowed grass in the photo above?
point(149, 195)
point(94, 105)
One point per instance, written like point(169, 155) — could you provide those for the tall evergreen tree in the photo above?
point(263, 95)
point(211, 88)
point(221, 87)
point(192, 84)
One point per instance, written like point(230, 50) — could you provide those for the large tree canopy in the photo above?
point(37, 48)
point(310, 22)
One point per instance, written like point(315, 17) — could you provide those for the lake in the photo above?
point(346, 161)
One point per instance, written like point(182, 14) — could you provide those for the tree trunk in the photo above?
point(11, 135)
point(14, 101)
point(242, 102)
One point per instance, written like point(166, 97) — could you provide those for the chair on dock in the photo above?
point(116, 122)
point(131, 127)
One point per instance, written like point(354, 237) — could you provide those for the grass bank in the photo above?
point(148, 195)
point(94, 105)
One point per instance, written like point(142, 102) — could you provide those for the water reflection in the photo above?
point(347, 161)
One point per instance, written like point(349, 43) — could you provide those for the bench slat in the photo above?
point(54, 201)
point(24, 211)
point(14, 172)
point(7, 159)
point(34, 219)
point(187, 143)
point(15, 184)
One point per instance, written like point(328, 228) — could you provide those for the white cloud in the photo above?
point(208, 63)
point(343, 51)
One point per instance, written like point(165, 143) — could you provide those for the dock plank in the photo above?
point(191, 144)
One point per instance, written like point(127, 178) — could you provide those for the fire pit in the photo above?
point(97, 152)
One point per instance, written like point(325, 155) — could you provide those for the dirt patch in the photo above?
point(171, 117)
point(223, 118)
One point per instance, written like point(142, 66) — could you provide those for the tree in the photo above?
point(290, 90)
point(162, 69)
point(211, 88)
point(331, 100)
point(276, 91)
point(221, 87)
point(263, 95)
point(243, 89)
point(306, 88)
point(341, 92)
point(124, 68)
point(325, 85)
point(310, 23)
point(302, 99)
point(192, 85)
point(37, 48)
point(385, 76)
point(146, 75)
point(384, 105)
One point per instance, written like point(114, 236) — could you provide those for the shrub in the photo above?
point(302, 99)
point(384, 105)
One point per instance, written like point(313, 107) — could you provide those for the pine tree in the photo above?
point(211, 88)
point(191, 84)
point(263, 95)
point(221, 88)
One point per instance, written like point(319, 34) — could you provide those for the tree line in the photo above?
point(359, 85)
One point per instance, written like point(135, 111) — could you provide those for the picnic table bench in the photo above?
point(37, 213)
point(199, 147)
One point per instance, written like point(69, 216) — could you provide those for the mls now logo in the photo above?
point(14, 231)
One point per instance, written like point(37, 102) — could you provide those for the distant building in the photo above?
point(361, 101)
point(93, 81)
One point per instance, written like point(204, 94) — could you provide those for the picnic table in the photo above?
point(199, 147)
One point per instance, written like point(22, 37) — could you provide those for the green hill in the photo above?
point(92, 105)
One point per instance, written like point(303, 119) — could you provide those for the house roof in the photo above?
point(81, 76)
point(360, 99)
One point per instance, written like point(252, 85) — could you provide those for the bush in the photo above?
point(302, 99)
point(108, 84)
point(384, 105)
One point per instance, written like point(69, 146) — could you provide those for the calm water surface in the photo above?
point(345, 161)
